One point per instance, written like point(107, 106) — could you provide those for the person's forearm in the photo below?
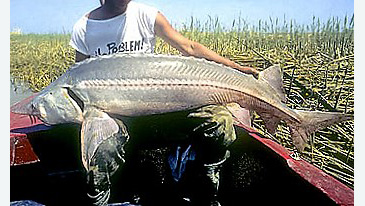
point(187, 47)
point(198, 50)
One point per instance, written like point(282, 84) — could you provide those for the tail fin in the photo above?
point(312, 121)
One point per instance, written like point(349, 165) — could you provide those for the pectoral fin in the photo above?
point(96, 127)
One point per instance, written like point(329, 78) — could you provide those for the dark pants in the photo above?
point(209, 129)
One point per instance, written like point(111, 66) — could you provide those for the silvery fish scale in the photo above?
point(140, 84)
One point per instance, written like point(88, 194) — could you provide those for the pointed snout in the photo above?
point(24, 106)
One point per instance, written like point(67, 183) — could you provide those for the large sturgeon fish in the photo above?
point(136, 84)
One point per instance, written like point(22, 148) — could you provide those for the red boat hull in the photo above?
point(22, 153)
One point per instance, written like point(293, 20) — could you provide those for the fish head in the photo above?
point(51, 106)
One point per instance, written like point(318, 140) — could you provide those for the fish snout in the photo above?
point(25, 107)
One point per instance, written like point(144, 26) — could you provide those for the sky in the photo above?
point(58, 16)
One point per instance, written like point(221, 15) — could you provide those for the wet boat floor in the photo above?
point(252, 175)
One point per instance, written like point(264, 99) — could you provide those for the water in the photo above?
point(18, 92)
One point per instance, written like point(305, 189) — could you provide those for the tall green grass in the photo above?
point(38, 59)
point(317, 60)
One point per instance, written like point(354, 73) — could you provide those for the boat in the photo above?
point(45, 167)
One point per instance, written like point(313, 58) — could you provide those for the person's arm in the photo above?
point(80, 56)
point(187, 47)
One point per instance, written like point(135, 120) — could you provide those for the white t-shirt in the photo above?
point(132, 31)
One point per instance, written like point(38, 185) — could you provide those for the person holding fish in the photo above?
point(125, 26)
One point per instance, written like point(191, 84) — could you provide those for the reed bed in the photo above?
point(317, 61)
point(37, 60)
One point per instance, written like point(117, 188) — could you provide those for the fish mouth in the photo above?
point(33, 118)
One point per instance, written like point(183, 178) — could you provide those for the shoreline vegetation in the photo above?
point(317, 60)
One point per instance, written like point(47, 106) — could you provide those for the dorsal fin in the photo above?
point(274, 76)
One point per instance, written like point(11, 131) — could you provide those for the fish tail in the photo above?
point(311, 121)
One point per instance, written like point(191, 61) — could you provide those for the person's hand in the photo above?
point(218, 124)
point(249, 70)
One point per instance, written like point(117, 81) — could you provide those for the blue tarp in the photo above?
point(178, 161)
